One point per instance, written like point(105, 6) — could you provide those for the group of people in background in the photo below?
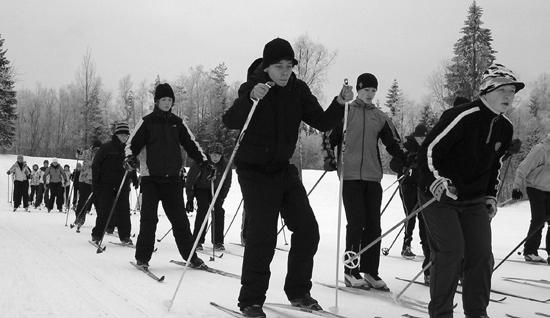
point(448, 176)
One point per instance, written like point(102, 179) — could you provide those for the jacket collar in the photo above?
point(361, 104)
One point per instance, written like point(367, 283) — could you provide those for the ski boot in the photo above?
point(376, 282)
point(306, 302)
point(254, 311)
point(407, 253)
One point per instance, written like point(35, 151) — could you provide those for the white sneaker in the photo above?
point(355, 281)
point(534, 258)
point(376, 282)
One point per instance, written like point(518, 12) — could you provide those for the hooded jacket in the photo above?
point(87, 158)
point(54, 173)
point(466, 146)
point(534, 170)
point(107, 166)
point(36, 177)
point(272, 133)
point(156, 141)
point(366, 125)
point(20, 170)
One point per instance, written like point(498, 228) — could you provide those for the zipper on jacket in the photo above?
point(362, 146)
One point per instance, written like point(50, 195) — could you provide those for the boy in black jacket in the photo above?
point(107, 174)
point(156, 140)
point(270, 184)
point(459, 166)
point(201, 186)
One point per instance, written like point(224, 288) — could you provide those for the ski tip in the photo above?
point(161, 279)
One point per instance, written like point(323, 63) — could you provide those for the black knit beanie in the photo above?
point(164, 90)
point(366, 80)
point(277, 50)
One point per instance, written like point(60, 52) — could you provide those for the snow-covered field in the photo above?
point(48, 270)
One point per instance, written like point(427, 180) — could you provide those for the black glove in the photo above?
point(209, 169)
point(517, 194)
point(330, 164)
point(79, 151)
point(189, 205)
point(130, 163)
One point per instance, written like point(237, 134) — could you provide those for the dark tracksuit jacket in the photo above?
point(107, 174)
point(362, 193)
point(156, 141)
point(199, 187)
point(465, 146)
point(270, 185)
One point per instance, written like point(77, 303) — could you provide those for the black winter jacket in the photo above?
point(271, 137)
point(466, 146)
point(107, 166)
point(197, 179)
point(157, 139)
point(412, 148)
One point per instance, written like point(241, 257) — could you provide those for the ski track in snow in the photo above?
point(48, 270)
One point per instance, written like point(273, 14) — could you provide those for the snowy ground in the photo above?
point(48, 270)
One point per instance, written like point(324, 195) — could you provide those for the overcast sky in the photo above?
point(402, 39)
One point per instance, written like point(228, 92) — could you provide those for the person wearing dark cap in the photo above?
point(270, 184)
point(107, 175)
point(156, 141)
point(459, 165)
point(85, 182)
point(408, 190)
point(200, 186)
point(362, 192)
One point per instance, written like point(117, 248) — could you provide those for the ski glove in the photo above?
point(442, 186)
point(491, 203)
point(517, 194)
point(330, 164)
point(209, 169)
point(189, 206)
point(130, 163)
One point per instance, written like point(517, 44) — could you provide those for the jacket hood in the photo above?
point(256, 74)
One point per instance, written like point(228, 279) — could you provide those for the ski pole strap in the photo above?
point(410, 216)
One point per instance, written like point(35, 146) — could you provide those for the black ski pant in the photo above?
point(203, 197)
point(34, 193)
point(56, 194)
point(540, 211)
point(170, 192)
point(81, 210)
point(75, 194)
point(39, 195)
point(219, 223)
point(105, 197)
point(362, 200)
point(66, 193)
point(20, 193)
point(460, 238)
point(47, 193)
point(265, 195)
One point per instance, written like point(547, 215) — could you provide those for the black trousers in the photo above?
point(82, 209)
point(56, 194)
point(265, 195)
point(540, 211)
point(460, 238)
point(47, 193)
point(170, 193)
point(362, 200)
point(39, 195)
point(204, 198)
point(20, 193)
point(34, 192)
point(105, 197)
point(75, 194)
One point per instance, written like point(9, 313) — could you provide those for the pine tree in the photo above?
point(473, 55)
point(8, 100)
point(393, 97)
point(428, 117)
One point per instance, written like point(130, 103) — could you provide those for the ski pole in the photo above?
point(349, 261)
point(388, 203)
point(162, 238)
point(213, 228)
point(309, 192)
point(9, 201)
point(283, 228)
point(83, 209)
point(233, 219)
point(398, 180)
point(340, 197)
point(540, 226)
point(99, 249)
point(218, 189)
point(412, 281)
point(386, 250)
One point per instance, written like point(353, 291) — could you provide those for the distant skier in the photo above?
point(21, 173)
point(85, 183)
point(362, 192)
point(270, 184)
point(157, 140)
point(533, 174)
point(45, 194)
point(35, 180)
point(67, 186)
point(459, 165)
point(56, 177)
point(76, 183)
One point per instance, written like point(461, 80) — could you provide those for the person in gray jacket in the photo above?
point(57, 178)
point(533, 173)
point(362, 193)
